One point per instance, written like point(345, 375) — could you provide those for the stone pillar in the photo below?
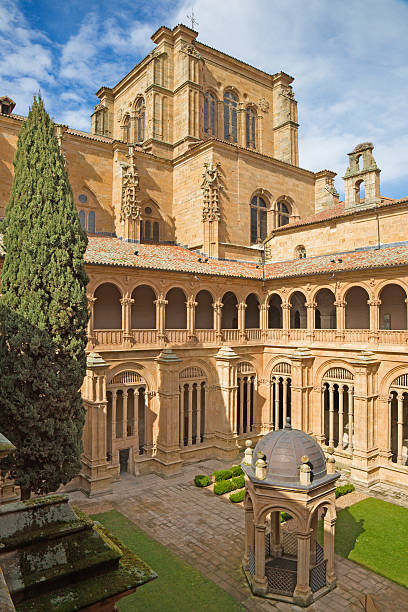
point(341, 416)
point(350, 418)
point(275, 545)
point(181, 417)
point(241, 320)
point(125, 392)
point(248, 406)
point(126, 321)
point(363, 466)
point(286, 319)
point(260, 581)
point(301, 377)
point(217, 308)
point(303, 593)
point(329, 529)
point(190, 415)
point(191, 307)
point(263, 310)
point(331, 414)
point(95, 477)
point(241, 408)
point(226, 364)
point(249, 533)
point(276, 400)
point(168, 449)
point(285, 398)
point(374, 319)
point(322, 434)
point(310, 314)
point(400, 426)
point(198, 430)
point(90, 326)
point(160, 316)
point(340, 318)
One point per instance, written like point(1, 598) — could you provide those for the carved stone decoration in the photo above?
point(264, 105)
point(211, 213)
point(191, 50)
point(130, 210)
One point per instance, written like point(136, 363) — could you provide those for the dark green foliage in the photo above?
point(221, 475)
point(347, 488)
point(44, 314)
point(284, 516)
point(225, 486)
point(236, 470)
point(201, 480)
point(237, 497)
point(238, 482)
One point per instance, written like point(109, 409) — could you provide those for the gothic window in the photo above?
point(91, 222)
point(300, 252)
point(259, 228)
point(250, 119)
point(210, 110)
point(192, 394)
point(140, 120)
point(82, 219)
point(150, 226)
point(230, 117)
point(126, 129)
point(283, 214)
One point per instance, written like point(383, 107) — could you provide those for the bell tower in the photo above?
point(362, 178)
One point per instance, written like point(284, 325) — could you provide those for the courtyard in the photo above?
point(207, 533)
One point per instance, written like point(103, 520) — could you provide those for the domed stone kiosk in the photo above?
point(288, 472)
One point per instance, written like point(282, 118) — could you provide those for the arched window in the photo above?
point(204, 318)
point(210, 113)
point(192, 389)
point(393, 309)
point(357, 309)
point(259, 227)
point(126, 129)
point(250, 119)
point(140, 120)
point(300, 252)
point(230, 117)
point(107, 308)
point(143, 312)
point(298, 313)
point(283, 213)
point(91, 221)
point(275, 312)
point(252, 312)
point(325, 313)
point(150, 227)
point(229, 317)
point(176, 310)
point(82, 219)
point(338, 408)
point(359, 192)
point(281, 382)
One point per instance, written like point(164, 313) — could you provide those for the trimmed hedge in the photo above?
point(219, 475)
point(201, 480)
point(237, 497)
point(226, 486)
point(237, 470)
point(347, 488)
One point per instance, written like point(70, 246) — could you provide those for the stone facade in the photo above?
point(229, 288)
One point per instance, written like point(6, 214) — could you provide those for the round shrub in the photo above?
point(221, 475)
point(238, 496)
point(223, 486)
point(201, 480)
point(347, 488)
point(236, 470)
point(238, 482)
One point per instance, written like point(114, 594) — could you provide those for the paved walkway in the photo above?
point(208, 533)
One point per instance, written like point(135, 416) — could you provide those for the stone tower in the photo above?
point(362, 174)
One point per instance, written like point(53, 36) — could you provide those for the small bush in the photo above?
point(238, 482)
point(223, 486)
point(237, 497)
point(285, 517)
point(201, 480)
point(236, 470)
point(347, 488)
point(222, 475)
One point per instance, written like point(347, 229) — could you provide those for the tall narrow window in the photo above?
point(91, 222)
point(140, 120)
point(210, 106)
point(259, 228)
point(230, 117)
point(155, 231)
point(283, 214)
point(82, 219)
point(250, 118)
point(126, 129)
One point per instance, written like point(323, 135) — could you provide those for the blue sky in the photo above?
point(349, 60)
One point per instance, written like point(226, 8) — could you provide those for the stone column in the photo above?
point(241, 320)
point(249, 534)
point(400, 426)
point(248, 406)
point(190, 415)
point(331, 414)
point(124, 409)
point(90, 326)
point(329, 528)
point(350, 418)
point(263, 309)
point(181, 417)
point(340, 318)
point(260, 581)
point(374, 316)
point(286, 319)
point(303, 593)
point(217, 308)
point(198, 429)
point(322, 435)
point(310, 314)
point(160, 316)
point(126, 321)
point(341, 416)
point(276, 386)
point(135, 424)
point(276, 546)
point(226, 364)
point(241, 408)
point(167, 457)
point(191, 306)
point(95, 477)
point(114, 400)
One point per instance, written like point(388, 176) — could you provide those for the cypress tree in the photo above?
point(43, 314)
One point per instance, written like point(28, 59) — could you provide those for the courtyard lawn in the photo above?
point(374, 533)
point(178, 588)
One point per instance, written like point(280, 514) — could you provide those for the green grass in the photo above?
point(178, 588)
point(374, 533)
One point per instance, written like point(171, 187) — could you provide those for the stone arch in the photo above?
point(357, 315)
point(298, 312)
point(331, 511)
point(229, 316)
point(290, 204)
point(331, 363)
point(275, 312)
point(193, 387)
point(143, 309)
point(261, 513)
point(325, 312)
point(252, 312)
point(393, 307)
point(107, 307)
point(204, 314)
point(273, 362)
point(246, 398)
point(176, 309)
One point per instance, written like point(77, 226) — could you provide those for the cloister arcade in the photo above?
point(398, 418)
point(193, 401)
point(280, 400)
point(143, 309)
point(246, 399)
point(337, 408)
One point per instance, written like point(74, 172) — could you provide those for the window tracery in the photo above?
point(230, 117)
point(250, 124)
point(259, 227)
point(210, 113)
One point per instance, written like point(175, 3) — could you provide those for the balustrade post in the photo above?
point(160, 316)
point(217, 310)
point(90, 325)
point(126, 321)
point(191, 309)
point(286, 319)
point(331, 414)
point(310, 320)
point(350, 418)
point(400, 426)
point(341, 416)
point(374, 319)
point(340, 318)
point(190, 415)
point(241, 320)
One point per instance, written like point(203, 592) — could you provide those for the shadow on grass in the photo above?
point(348, 530)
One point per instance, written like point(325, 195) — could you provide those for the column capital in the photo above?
point(310, 304)
point(286, 306)
point(160, 301)
point(241, 306)
point(340, 303)
point(125, 301)
point(91, 299)
point(374, 302)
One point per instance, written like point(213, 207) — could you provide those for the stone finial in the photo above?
point(287, 424)
point(305, 472)
point(260, 467)
point(168, 356)
point(226, 352)
point(330, 460)
point(248, 453)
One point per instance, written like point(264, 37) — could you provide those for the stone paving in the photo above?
point(208, 533)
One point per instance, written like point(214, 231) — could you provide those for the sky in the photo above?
point(349, 60)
